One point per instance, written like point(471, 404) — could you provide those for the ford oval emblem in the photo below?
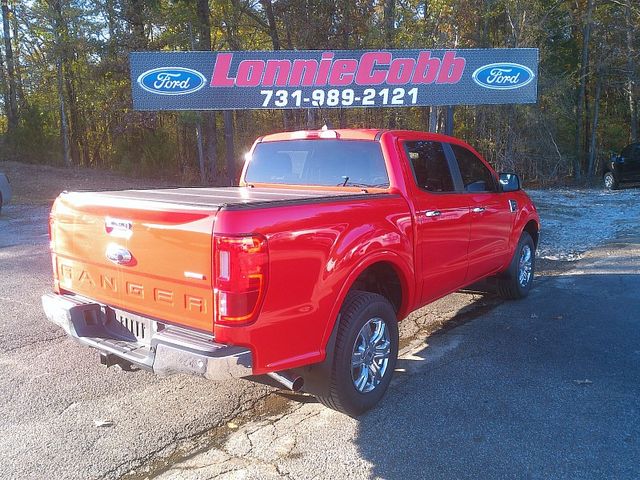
point(118, 255)
point(503, 76)
point(172, 81)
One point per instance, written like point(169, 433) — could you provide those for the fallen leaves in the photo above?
point(103, 423)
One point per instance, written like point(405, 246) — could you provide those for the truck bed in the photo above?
point(168, 235)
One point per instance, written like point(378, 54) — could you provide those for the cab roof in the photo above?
point(372, 134)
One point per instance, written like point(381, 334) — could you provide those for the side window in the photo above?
point(476, 177)
point(430, 166)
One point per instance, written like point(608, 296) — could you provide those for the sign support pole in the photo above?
point(433, 119)
point(448, 127)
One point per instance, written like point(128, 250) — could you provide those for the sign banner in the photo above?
point(332, 79)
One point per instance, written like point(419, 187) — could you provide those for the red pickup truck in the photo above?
point(302, 272)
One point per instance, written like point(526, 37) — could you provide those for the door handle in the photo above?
point(432, 213)
point(478, 210)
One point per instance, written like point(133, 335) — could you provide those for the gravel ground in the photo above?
point(574, 221)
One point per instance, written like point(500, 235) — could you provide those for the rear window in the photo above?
point(318, 162)
point(430, 166)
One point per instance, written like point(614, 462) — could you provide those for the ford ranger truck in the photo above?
point(302, 272)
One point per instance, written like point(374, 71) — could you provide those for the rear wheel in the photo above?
point(365, 354)
point(609, 181)
point(516, 281)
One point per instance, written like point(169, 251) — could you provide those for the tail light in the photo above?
point(241, 268)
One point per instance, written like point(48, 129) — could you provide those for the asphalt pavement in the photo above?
point(547, 387)
point(541, 388)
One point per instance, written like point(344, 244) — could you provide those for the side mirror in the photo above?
point(510, 182)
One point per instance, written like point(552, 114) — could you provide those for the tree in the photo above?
point(582, 86)
point(12, 107)
point(631, 72)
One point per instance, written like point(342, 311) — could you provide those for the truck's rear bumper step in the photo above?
point(164, 351)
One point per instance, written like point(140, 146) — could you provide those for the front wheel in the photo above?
point(515, 282)
point(365, 354)
point(609, 181)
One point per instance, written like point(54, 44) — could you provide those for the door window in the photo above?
point(627, 152)
point(476, 177)
point(430, 166)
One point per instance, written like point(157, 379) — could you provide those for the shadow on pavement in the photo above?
point(547, 387)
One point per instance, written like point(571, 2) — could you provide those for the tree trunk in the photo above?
point(12, 110)
point(211, 143)
point(134, 13)
point(594, 128)
point(577, 173)
point(64, 133)
point(271, 19)
point(228, 143)
point(3, 83)
point(232, 21)
point(22, 98)
point(199, 144)
point(210, 160)
point(633, 112)
point(111, 14)
point(389, 22)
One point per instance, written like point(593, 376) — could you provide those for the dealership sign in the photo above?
point(332, 79)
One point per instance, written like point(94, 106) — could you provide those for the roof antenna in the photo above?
point(326, 124)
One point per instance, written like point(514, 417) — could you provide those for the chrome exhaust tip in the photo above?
point(292, 382)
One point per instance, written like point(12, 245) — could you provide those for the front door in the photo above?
point(442, 220)
point(492, 215)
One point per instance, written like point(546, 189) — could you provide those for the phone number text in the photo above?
point(339, 98)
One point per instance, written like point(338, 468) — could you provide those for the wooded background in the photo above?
point(66, 99)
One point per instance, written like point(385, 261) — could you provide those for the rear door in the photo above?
point(442, 219)
point(634, 162)
point(491, 215)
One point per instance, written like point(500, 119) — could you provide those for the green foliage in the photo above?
point(36, 138)
point(91, 41)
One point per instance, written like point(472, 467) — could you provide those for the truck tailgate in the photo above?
point(169, 274)
point(169, 235)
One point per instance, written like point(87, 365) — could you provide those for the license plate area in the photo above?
point(132, 327)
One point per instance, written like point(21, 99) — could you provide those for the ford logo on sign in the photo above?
point(503, 76)
point(171, 81)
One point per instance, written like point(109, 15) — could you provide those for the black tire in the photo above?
point(609, 181)
point(510, 284)
point(358, 309)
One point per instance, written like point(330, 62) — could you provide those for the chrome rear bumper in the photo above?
point(163, 349)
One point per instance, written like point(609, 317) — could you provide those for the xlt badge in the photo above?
point(118, 227)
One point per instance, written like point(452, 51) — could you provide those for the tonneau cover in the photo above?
point(215, 197)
